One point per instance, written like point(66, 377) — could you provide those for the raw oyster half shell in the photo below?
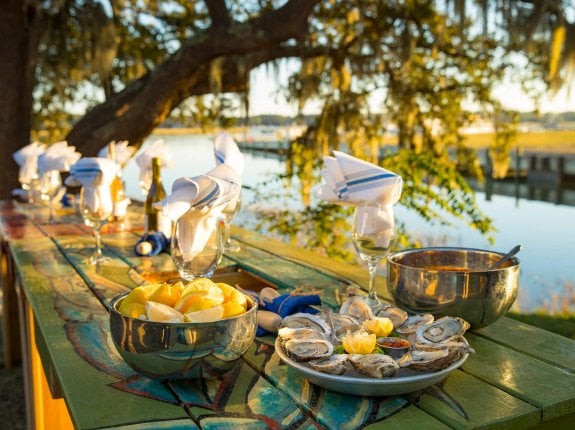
point(441, 330)
point(412, 323)
point(357, 308)
point(303, 320)
point(308, 349)
point(374, 365)
point(335, 364)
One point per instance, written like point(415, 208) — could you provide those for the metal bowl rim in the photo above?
point(114, 302)
point(399, 254)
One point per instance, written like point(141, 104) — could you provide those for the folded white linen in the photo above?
point(195, 203)
point(123, 152)
point(94, 174)
point(350, 180)
point(158, 149)
point(27, 158)
point(58, 156)
point(227, 152)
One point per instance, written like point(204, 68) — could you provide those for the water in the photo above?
point(546, 230)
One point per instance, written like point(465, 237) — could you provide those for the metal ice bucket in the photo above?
point(453, 281)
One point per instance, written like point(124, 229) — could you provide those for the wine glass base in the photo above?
point(96, 260)
point(373, 302)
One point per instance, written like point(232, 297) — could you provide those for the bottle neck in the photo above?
point(112, 151)
point(156, 168)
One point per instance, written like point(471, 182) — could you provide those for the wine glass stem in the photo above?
point(98, 251)
point(372, 294)
point(226, 233)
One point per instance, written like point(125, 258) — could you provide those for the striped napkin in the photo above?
point(94, 174)
point(196, 202)
point(158, 149)
point(351, 181)
point(27, 158)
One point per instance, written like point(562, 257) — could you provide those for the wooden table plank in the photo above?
point(410, 417)
point(538, 383)
point(485, 405)
point(74, 326)
point(544, 345)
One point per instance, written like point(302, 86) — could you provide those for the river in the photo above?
point(546, 230)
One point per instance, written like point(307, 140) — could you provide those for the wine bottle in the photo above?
point(155, 219)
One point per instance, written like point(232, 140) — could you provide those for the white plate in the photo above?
point(368, 386)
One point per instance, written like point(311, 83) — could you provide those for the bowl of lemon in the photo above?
point(196, 329)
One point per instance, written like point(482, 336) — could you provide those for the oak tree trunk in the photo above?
point(18, 24)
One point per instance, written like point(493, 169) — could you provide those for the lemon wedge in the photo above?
point(381, 327)
point(162, 313)
point(359, 343)
point(207, 315)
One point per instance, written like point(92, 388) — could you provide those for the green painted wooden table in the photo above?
point(519, 377)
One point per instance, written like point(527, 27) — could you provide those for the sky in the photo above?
point(263, 99)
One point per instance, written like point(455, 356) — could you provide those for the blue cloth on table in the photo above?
point(157, 239)
point(289, 304)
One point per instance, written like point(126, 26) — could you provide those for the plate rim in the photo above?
point(357, 381)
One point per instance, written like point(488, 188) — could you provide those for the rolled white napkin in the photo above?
point(94, 174)
point(27, 158)
point(196, 203)
point(59, 156)
point(158, 149)
point(122, 150)
point(350, 180)
point(226, 151)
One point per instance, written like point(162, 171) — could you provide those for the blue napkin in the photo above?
point(157, 239)
point(289, 304)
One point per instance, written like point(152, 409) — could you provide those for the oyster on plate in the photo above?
point(374, 365)
point(412, 323)
point(308, 349)
point(335, 364)
point(357, 308)
point(441, 330)
point(310, 321)
point(432, 357)
point(396, 315)
point(288, 333)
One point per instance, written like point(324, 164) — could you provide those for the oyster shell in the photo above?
point(288, 333)
point(431, 358)
point(308, 349)
point(357, 308)
point(412, 323)
point(396, 315)
point(441, 330)
point(374, 365)
point(303, 320)
point(335, 364)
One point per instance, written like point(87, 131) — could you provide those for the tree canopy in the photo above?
point(132, 63)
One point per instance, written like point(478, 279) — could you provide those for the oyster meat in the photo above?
point(441, 330)
point(396, 315)
point(303, 320)
point(308, 349)
point(431, 358)
point(357, 308)
point(335, 364)
point(288, 333)
point(374, 365)
point(412, 323)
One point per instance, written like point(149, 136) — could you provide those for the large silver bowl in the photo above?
point(182, 350)
point(453, 281)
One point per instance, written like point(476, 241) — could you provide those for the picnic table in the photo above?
point(56, 307)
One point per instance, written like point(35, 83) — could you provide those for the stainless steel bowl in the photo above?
point(182, 350)
point(453, 281)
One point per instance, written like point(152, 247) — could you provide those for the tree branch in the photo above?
point(219, 13)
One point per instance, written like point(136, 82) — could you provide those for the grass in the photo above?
point(562, 325)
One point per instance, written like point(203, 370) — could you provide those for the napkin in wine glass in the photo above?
point(27, 158)
point(158, 149)
point(351, 181)
point(122, 150)
point(94, 174)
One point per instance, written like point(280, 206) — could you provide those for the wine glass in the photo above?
point(95, 216)
point(197, 245)
point(230, 211)
point(51, 191)
point(373, 238)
